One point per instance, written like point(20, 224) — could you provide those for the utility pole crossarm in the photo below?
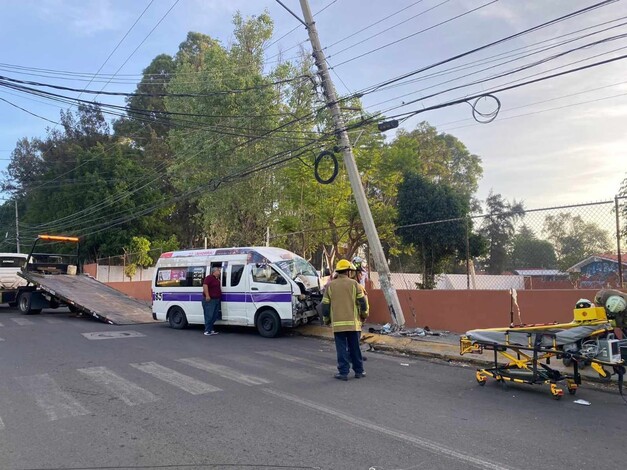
point(376, 249)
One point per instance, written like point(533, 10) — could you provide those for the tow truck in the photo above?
point(55, 279)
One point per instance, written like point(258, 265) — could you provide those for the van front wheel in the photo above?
point(268, 324)
point(177, 318)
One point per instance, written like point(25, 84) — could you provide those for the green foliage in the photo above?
point(421, 201)
point(528, 251)
point(498, 229)
point(574, 239)
point(169, 164)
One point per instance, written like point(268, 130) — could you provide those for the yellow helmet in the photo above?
point(344, 265)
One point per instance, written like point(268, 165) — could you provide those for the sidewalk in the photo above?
point(444, 347)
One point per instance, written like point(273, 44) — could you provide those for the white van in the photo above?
point(268, 288)
point(10, 265)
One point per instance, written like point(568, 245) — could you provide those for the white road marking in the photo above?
point(1, 424)
point(53, 321)
point(223, 371)
point(125, 390)
point(23, 321)
point(425, 444)
point(55, 402)
point(287, 372)
point(297, 360)
point(1, 339)
point(182, 381)
point(1, 325)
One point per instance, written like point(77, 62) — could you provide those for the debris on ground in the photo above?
point(582, 402)
point(388, 329)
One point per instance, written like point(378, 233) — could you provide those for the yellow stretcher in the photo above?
point(528, 350)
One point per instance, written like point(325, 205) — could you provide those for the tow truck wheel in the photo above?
point(177, 318)
point(268, 324)
point(24, 302)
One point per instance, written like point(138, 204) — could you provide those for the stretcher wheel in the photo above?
point(481, 379)
point(557, 392)
point(607, 377)
point(572, 387)
point(572, 391)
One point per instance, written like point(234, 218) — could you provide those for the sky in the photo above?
point(556, 142)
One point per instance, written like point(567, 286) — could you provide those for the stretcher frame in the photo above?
point(524, 361)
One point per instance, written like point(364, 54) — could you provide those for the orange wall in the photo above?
point(138, 289)
point(457, 311)
point(463, 310)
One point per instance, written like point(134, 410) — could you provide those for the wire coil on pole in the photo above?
point(336, 167)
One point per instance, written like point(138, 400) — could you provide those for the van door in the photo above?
point(234, 296)
point(268, 287)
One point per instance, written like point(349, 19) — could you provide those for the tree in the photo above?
point(528, 251)
point(422, 201)
point(137, 256)
point(574, 239)
point(498, 228)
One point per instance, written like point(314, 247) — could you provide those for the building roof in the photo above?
point(540, 272)
point(596, 258)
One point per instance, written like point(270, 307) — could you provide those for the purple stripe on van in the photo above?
point(227, 297)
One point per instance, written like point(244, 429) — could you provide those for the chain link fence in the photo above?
point(578, 246)
point(122, 268)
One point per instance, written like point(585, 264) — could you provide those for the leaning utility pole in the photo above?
point(380, 263)
point(17, 228)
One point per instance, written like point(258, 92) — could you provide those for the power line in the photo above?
point(27, 111)
point(152, 95)
point(512, 55)
point(373, 24)
point(118, 45)
point(140, 44)
point(468, 99)
point(385, 30)
point(487, 46)
point(418, 32)
point(519, 69)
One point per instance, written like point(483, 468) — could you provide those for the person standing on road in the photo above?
point(211, 293)
point(344, 308)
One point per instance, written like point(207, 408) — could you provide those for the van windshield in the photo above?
point(297, 265)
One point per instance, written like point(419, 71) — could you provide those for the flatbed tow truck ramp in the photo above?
point(53, 281)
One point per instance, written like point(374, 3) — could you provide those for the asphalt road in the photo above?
point(165, 399)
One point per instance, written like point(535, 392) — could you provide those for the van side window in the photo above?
point(180, 277)
point(267, 274)
point(236, 274)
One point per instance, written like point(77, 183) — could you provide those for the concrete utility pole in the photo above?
point(17, 228)
point(380, 263)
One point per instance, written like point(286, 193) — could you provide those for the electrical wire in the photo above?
point(118, 44)
point(506, 88)
point(461, 15)
point(359, 43)
point(151, 95)
point(372, 25)
point(485, 46)
point(510, 57)
point(522, 68)
point(140, 44)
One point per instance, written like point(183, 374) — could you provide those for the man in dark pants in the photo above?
point(344, 308)
point(211, 293)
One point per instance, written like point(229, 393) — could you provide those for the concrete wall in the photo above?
point(457, 311)
point(460, 311)
point(139, 290)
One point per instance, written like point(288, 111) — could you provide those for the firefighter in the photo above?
point(344, 308)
